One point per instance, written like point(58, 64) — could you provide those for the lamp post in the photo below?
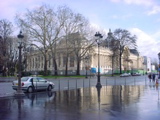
point(98, 37)
point(19, 90)
point(159, 66)
point(99, 97)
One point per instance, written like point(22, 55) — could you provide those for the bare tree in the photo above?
point(124, 38)
point(66, 16)
point(81, 47)
point(112, 44)
point(72, 24)
point(6, 51)
point(40, 26)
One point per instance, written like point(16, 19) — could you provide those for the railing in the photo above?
point(71, 83)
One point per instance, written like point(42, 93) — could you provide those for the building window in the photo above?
point(59, 60)
point(33, 62)
point(36, 62)
point(30, 63)
point(64, 60)
point(42, 62)
point(71, 61)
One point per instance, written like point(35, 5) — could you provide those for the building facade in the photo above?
point(108, 65)
point(67, 46)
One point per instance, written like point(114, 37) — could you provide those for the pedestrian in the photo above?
point(156, 79)
point(153, 77)
point(149, 76)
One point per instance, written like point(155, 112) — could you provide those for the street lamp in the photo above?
point(19, 90)
point(159, 65)
point(98, 37)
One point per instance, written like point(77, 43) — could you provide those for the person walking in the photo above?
point(150, 77)
point(153, 77)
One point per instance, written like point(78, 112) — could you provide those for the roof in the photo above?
point(134, 51)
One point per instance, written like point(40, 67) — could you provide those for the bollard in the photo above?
point(83, 82)
point(106, 81)
point(125, 81)
point(115, 81)
point(59, 85)
point(134, 81)
point(76, 83)
point(68, 84)
point(89, 82)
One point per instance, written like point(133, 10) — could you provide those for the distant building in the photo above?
point(147, 64)
point(153, 67)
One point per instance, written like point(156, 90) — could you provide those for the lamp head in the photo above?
point(20, 36)
point(159, 55)
point(98, 36)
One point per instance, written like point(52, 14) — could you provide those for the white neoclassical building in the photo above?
point(131, 60)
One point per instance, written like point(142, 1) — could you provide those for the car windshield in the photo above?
point(24, 78)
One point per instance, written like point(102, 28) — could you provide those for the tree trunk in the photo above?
point(120, 64)
point(45, 65)
point(55, 67)
point(112, 64)
point(78, 68)
point(120, 60)
point(66, 69)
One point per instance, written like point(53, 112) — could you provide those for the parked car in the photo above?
point(125, 75)
point(31, 84)
point(136, 74)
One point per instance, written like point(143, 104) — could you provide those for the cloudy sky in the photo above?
point(140, 17)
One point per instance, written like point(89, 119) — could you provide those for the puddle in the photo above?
point(106, 103)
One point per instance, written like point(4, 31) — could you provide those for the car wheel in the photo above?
point(49, 88)
point(30, 89)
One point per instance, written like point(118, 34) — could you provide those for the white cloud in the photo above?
point(155, 10)
point(147, 45)
point(123, 17)
point(149, 3)
point(157, 35)
point(137, 2)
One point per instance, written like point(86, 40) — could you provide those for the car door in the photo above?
point(42, 83)
point(35, 83)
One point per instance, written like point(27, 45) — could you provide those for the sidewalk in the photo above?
point(7, 79)
point(75, 83)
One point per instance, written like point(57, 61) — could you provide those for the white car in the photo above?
point(125, 75)
point(136, 74)
point(31, 84)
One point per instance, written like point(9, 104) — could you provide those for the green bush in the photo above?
point(42, 72)
point(26, 74)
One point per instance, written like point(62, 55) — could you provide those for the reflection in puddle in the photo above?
point(108, 102)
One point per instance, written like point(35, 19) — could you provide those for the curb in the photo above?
point(6, 95)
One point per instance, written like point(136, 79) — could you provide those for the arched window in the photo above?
point(72, 61)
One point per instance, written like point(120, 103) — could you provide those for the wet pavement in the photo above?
point(75, 83)
point(117, 102)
